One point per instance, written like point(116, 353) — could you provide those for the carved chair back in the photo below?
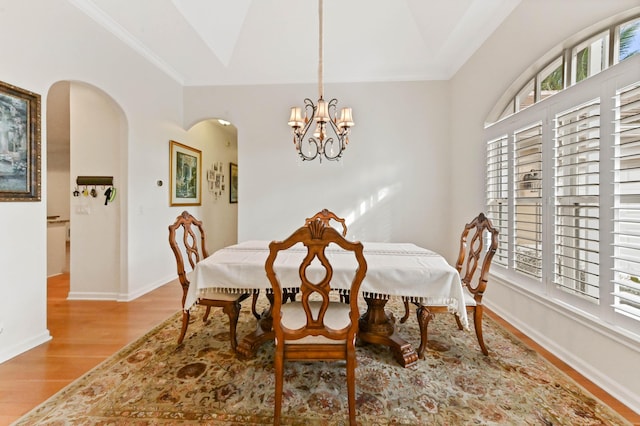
point(326, 216)
point(187, 241)
point(315, 237)
point(478, 244)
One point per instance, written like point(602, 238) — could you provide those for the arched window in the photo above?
point(602, 49)
point(563, 176)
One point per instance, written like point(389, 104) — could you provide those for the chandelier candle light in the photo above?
point(331, 134)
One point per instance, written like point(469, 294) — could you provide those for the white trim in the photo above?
point(149, 288)
point(15, 350)
point(109, 24)
point(90, 295)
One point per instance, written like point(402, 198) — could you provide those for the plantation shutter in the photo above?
point(627, 203)
point(577, 194)
point(498, 194)
point(527, 239)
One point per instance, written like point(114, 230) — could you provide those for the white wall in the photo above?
point(97, 133)
point(52, 41)
point(532, 30)
point(58, 155)
point(391, 184)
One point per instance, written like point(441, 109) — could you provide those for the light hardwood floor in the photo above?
point(86, 333)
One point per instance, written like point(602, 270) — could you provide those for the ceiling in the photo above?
point(245, 42)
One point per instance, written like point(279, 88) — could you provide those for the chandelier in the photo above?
point(321, 132)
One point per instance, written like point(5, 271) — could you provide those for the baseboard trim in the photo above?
point(591, 372)
point(24, 346)
point(81, 295)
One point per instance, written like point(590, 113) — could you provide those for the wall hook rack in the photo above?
point(95, 180)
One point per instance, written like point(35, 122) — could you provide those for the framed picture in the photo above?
point(20, 155)
point(185, 175)
point(233, 183)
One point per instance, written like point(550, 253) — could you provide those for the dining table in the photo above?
point(402, 270)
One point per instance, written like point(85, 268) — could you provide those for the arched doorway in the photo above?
point(218, 140)
point(88, 128)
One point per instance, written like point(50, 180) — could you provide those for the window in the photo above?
point(563, 179)
point(584, 59)
point(590, 57)
point(498, 194)
point(508, 110)
point(563, 186)
point(628, 40)
point(577, 190)
point(551, 79)
point(526, 97)
point(626, 281)
point(527, 148)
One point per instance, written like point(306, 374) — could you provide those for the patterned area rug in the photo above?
point(155, 381)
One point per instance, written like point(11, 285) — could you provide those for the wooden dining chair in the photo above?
point(478, 244)
point(315, 328)
point(187, 240)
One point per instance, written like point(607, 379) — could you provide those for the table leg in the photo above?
point(376, 326)
point(263, 333)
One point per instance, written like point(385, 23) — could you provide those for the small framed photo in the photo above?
point(233, 183)
point(20, 156)
point(185, 175)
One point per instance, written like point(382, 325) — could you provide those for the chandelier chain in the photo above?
point(320, 49)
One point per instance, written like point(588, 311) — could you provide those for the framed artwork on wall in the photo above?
point(185, 175)
point(215, 179)
point(20, 156)
point(233, 183)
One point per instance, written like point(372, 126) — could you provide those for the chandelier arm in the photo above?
point(309, 109)
point(335, 128)
point(312, 141)
point(332, 108)
point(330, 142)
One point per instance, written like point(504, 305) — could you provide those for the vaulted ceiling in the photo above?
point(240, 42)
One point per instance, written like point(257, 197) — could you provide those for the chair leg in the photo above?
point(206, 314)
point(477, 323)
point(279, 372)
point(233, 312)
point(424, 316)
point(351, 386)
point(460, 327)
point(185, 324)
point(406, 312)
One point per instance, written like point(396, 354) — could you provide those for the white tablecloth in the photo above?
point(393, 269)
